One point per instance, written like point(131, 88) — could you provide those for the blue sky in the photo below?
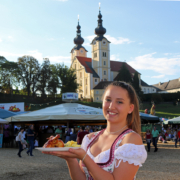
point(143, 33)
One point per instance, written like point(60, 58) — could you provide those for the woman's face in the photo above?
point(116, 104)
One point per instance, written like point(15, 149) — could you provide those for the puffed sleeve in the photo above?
point(85, 142)
point(131, 153)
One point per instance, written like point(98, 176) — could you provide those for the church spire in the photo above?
point(78, 40)
point(100, 30)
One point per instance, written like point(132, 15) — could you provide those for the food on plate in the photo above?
point(53, 141)
point(71, 144)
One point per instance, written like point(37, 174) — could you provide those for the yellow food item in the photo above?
point(71, 144)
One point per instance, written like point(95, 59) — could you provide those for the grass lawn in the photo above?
point(165, 110)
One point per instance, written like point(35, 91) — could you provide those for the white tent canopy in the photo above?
point(3, 121)
point(66, 111)
point(173, 121)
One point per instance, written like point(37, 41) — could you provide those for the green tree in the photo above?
point(124, 74)
point(135, 83)
point(7, 75)
point(44, 77)
point(54, 81)
point(27, 73)
point(67, 78)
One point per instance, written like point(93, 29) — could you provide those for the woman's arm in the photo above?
point(74, 170)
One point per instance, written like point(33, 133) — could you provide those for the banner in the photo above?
point(14, 107)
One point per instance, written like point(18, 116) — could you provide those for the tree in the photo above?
point(7, 75)
point(67, 78)
point(54, 81)
point(44, 77)
point(124, 74)
point(27, 72)
point(135, 83)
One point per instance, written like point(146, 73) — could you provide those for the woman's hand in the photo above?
point(68, 155)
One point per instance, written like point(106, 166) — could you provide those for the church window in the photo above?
point(86, 81)
point(104, 54)
point(97, 92)
point(104, 72)
point(95, 80)
point(80, 74)
point(97, 98)
point(95, 55)
point(104, 63)
point(105, 79)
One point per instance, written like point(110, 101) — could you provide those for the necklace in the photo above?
point(116, 131)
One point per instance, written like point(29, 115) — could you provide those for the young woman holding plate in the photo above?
point(116, 152)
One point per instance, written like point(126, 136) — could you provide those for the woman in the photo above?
point(68, 134)
point(148, 139)
point(152, 112)
point(117, 151)
point(175, 137)
point(21, 141)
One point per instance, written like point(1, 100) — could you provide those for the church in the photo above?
point(94, 73)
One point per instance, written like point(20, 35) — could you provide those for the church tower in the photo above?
point(101, 52)
point(78, 49)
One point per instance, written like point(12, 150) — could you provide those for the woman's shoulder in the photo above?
point(132, 138)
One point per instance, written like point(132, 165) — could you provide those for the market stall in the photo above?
point(173, 121)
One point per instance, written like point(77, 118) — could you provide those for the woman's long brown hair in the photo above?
point(133, 119)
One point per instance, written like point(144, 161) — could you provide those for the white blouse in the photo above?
point(131, 153)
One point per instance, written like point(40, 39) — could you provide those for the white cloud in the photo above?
point(159, 76)
point(38, 55)
point(176, 42)
point(114, 57)
point(118, 40)
point(10, 37)
point(51, 39)
point(87, 44)
point(60, 59)
point(0, 40)
point(140, 43)
point(164, 65)
point(113, 40)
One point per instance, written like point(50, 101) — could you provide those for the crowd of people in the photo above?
point(166, 134)
point(28, 137)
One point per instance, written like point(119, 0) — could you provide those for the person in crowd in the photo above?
point(30, 138)
point(6, 136)
point(21, 141)
point(155, 134)
point(68, 134)
point(121, 143)
point(175, 137)
point(73, 136)
point(81, 135)
point(59, 131)
point(90, 129)
point(148, 139)
point(49, 130)
point(179, 136)
point(152, 112)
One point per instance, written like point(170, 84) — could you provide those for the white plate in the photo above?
point(57, 149)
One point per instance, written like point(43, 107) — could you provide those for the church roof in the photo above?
point(116, 66)
point(171, 84)
point(144, 83)
point(102, 84)
point(87, 63)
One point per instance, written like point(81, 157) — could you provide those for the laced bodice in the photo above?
point(111, 158)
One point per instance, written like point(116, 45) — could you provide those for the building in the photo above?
point(95, 72)
point(147, 89)
point(172, 86)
